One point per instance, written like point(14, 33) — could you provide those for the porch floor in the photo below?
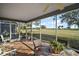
point(23, 48)
point(26, 48)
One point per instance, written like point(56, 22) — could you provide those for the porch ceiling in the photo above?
point(28, 11)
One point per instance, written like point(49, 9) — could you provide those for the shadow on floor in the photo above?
point(27, 46)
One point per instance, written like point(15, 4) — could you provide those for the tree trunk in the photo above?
point(78, 26)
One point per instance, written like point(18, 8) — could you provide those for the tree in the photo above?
point(60, 27)
point(43, 26)
point(71, 17)
point(37, 23)
point(21, 29)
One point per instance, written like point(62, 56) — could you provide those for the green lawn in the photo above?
point(68, 34)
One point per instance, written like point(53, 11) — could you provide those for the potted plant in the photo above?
point(57, 47)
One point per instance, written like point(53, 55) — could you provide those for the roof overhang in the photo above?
point(3, 15)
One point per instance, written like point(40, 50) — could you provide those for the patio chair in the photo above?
point(3, 40)
point(43, 50)
point(9, 53)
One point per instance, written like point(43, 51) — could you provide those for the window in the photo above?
point(5, 29)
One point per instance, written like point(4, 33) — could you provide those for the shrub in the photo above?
point(58, 47)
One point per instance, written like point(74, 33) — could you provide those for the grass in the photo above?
point(69, 34)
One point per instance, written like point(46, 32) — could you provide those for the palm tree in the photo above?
point(71, 17)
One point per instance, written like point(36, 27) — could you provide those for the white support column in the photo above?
point(56, 28)
point(31, 32)
point(0, 27)
point(19, 32)
point(26, 31)
point(10, 31)
point(40, 33)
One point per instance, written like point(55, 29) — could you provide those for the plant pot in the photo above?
point(55, 51)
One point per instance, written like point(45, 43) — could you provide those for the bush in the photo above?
point(58, 47)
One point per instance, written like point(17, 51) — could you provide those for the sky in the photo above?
point(50, 23)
